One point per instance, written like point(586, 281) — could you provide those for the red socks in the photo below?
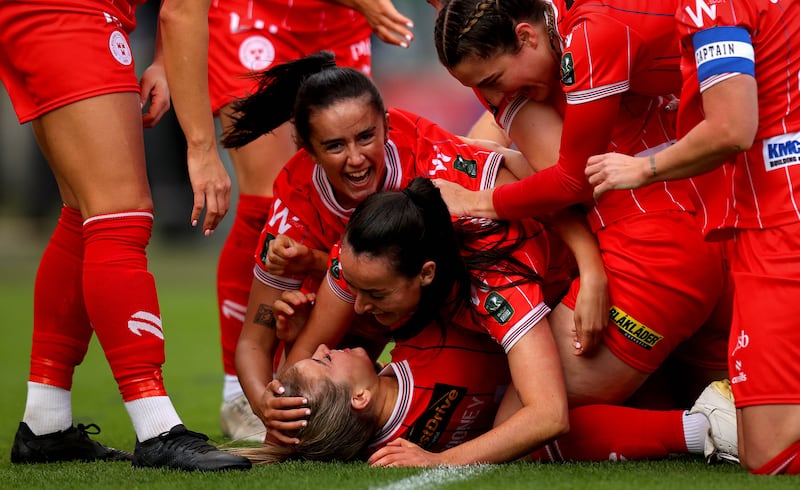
point(235, 272)
point(61, 329)
point(786, 463)
point(122, 302)
point(615, 433)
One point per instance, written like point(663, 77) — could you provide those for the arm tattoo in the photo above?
point(264, 317)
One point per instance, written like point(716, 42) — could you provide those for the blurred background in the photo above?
point(411, 79)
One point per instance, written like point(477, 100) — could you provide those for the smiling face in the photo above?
point(531, 71)
point(379, 290)
point(347, 140)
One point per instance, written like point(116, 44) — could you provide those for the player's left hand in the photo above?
point(211, 186)
point(388, 24)
point(154, 89)
point(611, 171)
point(401, 452)
point(591, 313)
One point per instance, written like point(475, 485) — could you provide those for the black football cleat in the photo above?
point(182, 449)
point(73, 444)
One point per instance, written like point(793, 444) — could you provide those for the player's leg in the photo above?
point(82, 142)
point(764, 371)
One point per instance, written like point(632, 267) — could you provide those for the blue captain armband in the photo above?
point(721, 51)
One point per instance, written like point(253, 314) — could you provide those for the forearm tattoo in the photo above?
point(265, 317)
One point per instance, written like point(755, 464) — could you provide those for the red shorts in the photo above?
point(764, 347)
point(664, 281)
point(247, 36)
point(55, 53)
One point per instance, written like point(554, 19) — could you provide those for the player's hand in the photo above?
point(211, 186)
point(464, 202)
point(612, 171)
point(401, 452)
point(287, 256)
point(389, 25)
point(155, 92)
point(591, 313)
point(282, 416)
point(291, 313)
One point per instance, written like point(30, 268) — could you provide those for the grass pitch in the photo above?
point(193, 374)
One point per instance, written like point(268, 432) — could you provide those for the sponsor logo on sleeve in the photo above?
point(336, 268)
point(469, 167)
point(429, 426)
point(634, 330)
point(567, 69)
point(265, 248)
point(498, 307)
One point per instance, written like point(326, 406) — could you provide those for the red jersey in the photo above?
point(619, 68)
point(506, 313)
point(449, 388)
point(723, 38)
point(306, 210)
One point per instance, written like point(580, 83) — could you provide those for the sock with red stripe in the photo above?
point(123, 307)
point(234, 277)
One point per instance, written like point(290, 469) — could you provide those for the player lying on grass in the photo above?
point(402, 260)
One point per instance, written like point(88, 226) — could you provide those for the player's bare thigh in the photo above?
point(259, 163)
point(765, 431)
point(598, 378)
point(96, 150)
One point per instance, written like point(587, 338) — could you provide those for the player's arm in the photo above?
point(184, 29)
point(542, 416)
point(726, 128)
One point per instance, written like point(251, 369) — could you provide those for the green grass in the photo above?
point(185, 277)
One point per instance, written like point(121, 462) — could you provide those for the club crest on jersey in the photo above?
point(429, 426)
point(336, 268)
point(498, 307)
point(469, 167)
point(256, 53)
point(567, 69)
point(633, 330)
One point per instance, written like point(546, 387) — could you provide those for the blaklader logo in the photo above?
point(633, 330)
point(428, 427)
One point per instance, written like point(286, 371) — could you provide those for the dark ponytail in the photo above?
point(292, 92)
point(414, 226)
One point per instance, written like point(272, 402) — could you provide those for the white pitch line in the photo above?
point(441, 475)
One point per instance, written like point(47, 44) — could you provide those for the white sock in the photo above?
point(695, 431)
point(48, 409)
point(152, 416)
point(231, 389)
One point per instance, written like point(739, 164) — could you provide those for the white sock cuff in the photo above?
point(695, 431)
point(152, 416)
point(48, 409)
point(231, 389)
